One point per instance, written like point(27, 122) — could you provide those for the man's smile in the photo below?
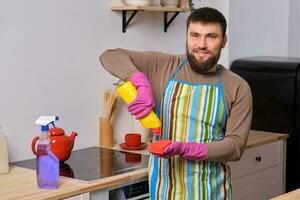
point(201, 53)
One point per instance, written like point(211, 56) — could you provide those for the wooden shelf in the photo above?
point(148, 8)
point(135, 9)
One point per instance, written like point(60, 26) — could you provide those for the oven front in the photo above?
point(137, 190)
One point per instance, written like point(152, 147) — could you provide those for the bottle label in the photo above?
point(42, 149)
point(47, 168)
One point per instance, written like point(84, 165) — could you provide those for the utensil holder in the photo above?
point(106, 133)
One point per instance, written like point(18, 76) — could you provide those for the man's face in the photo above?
point(203, 46)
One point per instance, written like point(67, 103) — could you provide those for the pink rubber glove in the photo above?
point(144, 102)
point(188, 150)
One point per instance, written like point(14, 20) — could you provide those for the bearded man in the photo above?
point(204, 108)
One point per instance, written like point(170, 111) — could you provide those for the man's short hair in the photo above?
point(207, 15)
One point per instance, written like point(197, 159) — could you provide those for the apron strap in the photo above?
point(172, 77)
point(219, 75)
point(178, 68)
point(220, 85)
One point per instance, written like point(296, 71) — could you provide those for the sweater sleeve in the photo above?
point(123, 62)
point(156, 65)
point(237, 128)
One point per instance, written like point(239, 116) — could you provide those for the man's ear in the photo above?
point(224, 41)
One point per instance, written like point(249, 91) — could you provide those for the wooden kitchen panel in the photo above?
point(293, 195)
point(257, 138)
point(20, 183)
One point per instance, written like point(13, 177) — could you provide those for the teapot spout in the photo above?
point(72, 139)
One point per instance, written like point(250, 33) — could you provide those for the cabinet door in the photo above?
point(259, 174)
point(261, 185)
point(256, 159)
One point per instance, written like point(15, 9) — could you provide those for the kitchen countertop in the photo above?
point(20, 183)
point(256, 138)
point(295, 194)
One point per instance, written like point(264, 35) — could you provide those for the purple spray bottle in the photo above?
point(47, 164)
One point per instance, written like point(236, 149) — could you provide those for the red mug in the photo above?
point(133, 139)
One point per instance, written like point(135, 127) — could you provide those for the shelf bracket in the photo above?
point(126, 22)
point(166, 22)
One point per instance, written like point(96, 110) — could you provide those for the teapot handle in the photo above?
point(72, 142)
point(33, 144)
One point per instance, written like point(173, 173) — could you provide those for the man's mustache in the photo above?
point(202, 50)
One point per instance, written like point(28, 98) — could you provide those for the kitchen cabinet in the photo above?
point(260, 174)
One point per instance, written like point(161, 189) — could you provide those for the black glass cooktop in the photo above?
point(94, 163)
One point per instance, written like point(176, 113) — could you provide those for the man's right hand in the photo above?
point(144, 102)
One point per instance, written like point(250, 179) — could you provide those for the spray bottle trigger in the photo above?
point(53, 124)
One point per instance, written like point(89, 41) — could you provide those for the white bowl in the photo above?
point(138, 2)
point(169, 3)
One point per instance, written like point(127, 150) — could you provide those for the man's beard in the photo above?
point(205, 66)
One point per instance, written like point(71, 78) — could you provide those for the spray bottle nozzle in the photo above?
point(44, 121)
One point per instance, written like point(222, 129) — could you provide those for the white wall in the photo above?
point(258, 28)
point(49, 64)
point(294, 29)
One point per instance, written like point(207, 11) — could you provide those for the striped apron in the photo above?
point(190, 113)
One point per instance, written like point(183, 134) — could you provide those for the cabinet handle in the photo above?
point(258, 158)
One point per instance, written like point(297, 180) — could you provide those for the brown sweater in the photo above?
point(160, 66)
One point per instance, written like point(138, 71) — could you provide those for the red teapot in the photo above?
point(61, 145)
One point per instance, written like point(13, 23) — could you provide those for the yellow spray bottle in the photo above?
point(128, 93)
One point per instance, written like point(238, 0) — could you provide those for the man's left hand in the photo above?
point(188, 150)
